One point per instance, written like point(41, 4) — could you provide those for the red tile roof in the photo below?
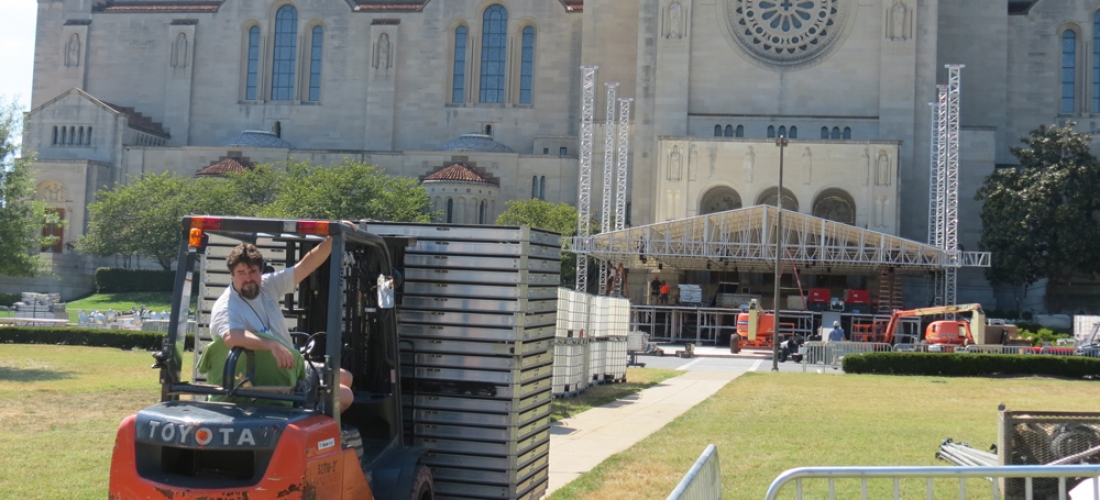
point(153, 6)
point(227, 165)
point(460, 172)
point(139, 121)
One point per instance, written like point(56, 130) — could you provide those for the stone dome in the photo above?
point(258, 139)
point(478, 143)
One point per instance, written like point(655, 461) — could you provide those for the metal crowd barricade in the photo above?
point(863, 474)
point(831, 353)
point(703, 481)
point(995, 349)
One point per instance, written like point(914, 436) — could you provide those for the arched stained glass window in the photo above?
point(847, 132)
point(836, 133)
point(251, 77)
point(740, 131)
point(458, 73)
point(481, 213)
point(783, 130)
point(1096, 62)
point(494, 36)
point(824, 132)
point(316, 45)
point(542, 188)
point(718, 131)
point(729, 131)
point(771, 131)
point(794, 132)
point(282, 67)
point(1069, 70)
point(535, 186)
point(527, 65)
point(450, 210)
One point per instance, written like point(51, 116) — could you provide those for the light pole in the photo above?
point(781, 142)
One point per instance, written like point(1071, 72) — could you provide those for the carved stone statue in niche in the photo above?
point(675, 164)
point(179, 51)
point(72, 51)
point(693, 163)
point(675, 20)
point(865, 164)
point(748, 164)
point(882, 172)
point(807, 166)
point(899, 25)
point(382, 52)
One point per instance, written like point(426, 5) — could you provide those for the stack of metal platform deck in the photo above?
point(477, 321)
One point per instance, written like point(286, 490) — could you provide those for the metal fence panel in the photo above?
point(703, 481)
point(832, 353)
point(862, 474)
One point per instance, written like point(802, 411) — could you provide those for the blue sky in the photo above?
point(17, 18)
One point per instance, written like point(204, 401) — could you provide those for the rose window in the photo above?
point(786, 32)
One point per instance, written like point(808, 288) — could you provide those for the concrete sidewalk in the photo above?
point(580, 443)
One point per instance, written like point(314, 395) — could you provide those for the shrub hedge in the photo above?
point(8, 299)
point(971, 365)
point(93, 337)
point(113, 280)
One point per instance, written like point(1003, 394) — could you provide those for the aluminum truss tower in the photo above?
point(620, 181)
point(937, 197)
point(951, 185)
point(624, 151)
point(584, 186)
point(608, 173)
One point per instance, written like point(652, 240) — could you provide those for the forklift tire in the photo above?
point(423, 485)
point(735, 343)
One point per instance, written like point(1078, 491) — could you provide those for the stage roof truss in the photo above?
point(745, 239)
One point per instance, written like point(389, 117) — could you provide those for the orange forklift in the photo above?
point(183, 448)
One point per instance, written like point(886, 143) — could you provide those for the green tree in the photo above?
point(259, 185)
point(142, 217)
point(560, 218)
point(21, 217)
point(1042, 219)
point(351, 191)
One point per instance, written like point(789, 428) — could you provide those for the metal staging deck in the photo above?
point(745, 239)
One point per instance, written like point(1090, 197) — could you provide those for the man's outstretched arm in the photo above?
point(315, 257)
point(239, 337)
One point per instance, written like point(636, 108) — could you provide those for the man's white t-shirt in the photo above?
point(260, 315)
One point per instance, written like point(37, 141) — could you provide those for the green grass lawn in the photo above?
point(122, 302)
point(764, 423)
point(597, 395)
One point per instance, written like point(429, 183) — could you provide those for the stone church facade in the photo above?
point(128, 87)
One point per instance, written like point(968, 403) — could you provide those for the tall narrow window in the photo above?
point(771, 131)
point(81, 141)
point(55, 134)
point(1069, 69)
point(277, 129)
point(824, 132)
point(729, 131)
point(316, 44)
point(534, 186)
point(481, 213)
point(794, 132)
point(493, 43)
point(72, 135)
point(1096, 62)
point(450, 210)
point(542, 188)
point(836, 133)
point(88, 137)
point(253, 63)
point(847, 132)
point(458, 85)
point(740, 131)
point(527, 65)
point(282, 68)
point(783, 131)
point(718, 131)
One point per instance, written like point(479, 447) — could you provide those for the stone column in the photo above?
point(177, 85)
point(381, 82)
